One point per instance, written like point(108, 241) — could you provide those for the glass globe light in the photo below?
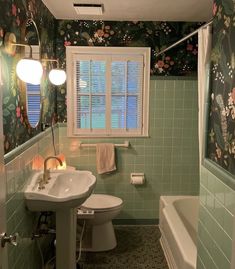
point(57, 76)
point(29, 71)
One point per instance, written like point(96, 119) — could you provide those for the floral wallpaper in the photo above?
point(179, 61)
point(13, 17)
point(221, 129)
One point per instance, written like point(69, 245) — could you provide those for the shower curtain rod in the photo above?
point(184, 38)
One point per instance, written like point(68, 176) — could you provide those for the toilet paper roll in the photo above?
point(137, 180)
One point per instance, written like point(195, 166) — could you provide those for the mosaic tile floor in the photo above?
point(138, 248)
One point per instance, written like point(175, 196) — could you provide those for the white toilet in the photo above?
point(99, 232)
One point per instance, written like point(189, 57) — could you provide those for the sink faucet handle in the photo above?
point(41, 183)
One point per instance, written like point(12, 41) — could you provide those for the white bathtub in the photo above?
point(178, 226)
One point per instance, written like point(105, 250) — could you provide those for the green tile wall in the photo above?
point(216, 218)
point(26, 255)
point(168, 157)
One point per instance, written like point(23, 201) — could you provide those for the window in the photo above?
point(107, 91)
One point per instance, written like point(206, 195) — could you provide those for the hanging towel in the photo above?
point(105, 158)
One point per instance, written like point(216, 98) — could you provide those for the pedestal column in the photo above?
point(66, 226)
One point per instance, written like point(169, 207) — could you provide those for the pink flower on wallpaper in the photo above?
point(160, 64)
point(18, 113)
point(233, 95)
point(190, 47)
point(1, 32)
point(99, 33)
point(214, 10)
point(18, 21)
point(67, 43)
point(13, 9)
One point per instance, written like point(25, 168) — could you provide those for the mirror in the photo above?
point(33, 92)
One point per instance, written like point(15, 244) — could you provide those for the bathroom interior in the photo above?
point(172, 187)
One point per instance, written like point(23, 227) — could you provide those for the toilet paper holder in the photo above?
point(137, 179)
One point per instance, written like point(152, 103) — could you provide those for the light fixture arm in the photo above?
point(36, 28)
point(57, 76)
point(51, 60)
point(24, 45)
point(31, 22)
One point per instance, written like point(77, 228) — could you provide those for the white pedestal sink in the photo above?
point(65, 191)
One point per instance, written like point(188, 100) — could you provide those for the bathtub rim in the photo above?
point(168, 201)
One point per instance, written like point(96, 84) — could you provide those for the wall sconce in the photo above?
point(28, 69)
point(57, 76)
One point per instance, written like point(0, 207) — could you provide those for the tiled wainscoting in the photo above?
point(216, 222)
point(18, 170)
point(168, 157)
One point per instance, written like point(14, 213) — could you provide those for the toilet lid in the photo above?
point(102, 201)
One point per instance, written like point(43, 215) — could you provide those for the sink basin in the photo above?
point(66, 189)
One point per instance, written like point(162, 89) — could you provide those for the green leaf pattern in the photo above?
point(221, 137)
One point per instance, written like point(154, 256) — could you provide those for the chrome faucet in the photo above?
point(46, 172)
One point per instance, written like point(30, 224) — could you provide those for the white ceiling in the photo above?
point(129, 10)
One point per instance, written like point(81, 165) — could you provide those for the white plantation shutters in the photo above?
point(90, 101)
point(126, 94)
point(108, 95)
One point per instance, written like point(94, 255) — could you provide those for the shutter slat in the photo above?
point(90, 80)
point(126, 106)
point(118, 112)
point(83, 112)
point(98, 112)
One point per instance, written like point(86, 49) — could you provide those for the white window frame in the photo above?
point(72, 53)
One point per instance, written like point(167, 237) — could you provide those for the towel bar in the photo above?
point(125, 145)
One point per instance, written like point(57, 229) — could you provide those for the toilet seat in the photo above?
point(102, 202)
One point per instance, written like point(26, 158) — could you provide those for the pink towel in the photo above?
point(105, 158)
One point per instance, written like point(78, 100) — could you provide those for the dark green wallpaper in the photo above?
point(179, 61)
point(221, 129)
point(13, 16)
